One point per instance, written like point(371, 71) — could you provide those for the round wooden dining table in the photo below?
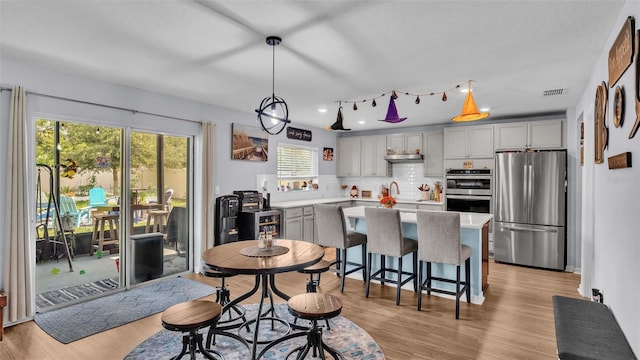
point(244, 257)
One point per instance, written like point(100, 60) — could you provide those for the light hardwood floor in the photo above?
point(515, 321)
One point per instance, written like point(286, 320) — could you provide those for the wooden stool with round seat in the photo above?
point(313, 307)
point(159, 218)
point(313, 283)
point(223, 297)
point(99, 237)
point(315, 269)
point(189, 317)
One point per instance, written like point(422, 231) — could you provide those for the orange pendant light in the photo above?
point(470, 110)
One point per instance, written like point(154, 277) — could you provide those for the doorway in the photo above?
point(88, 163)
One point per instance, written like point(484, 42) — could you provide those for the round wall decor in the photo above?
point(618, 107)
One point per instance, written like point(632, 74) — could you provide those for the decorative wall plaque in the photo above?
point(620, 161)
point(621, 52)
point(636, 98)
point(298, 134)
point(618, 107)
point(600, 129)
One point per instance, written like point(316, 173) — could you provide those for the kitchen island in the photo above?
point(298, 216)
point(474, 232)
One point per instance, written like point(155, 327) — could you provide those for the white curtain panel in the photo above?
point(17, 270)
point(208, 204)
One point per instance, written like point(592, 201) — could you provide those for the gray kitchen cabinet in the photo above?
point(544, 134)
point(468, 142)
point(293, 228)
point(348, 156)
point(407, 142)
point(308, 227)
point(433, 145)
point(298, 223)
point(373, 150)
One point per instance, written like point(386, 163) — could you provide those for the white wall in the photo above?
point(617, 196)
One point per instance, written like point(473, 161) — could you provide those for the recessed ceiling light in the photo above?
point(464, 90)
point(485, 109)
point(322, 110)
point(361, 122)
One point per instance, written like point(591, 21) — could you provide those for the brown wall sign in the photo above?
point(298, 134)
point(620, 161)
point(601, 131)
point(621, 52)
point(636, 91)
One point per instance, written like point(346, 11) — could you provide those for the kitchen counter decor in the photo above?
point(424, 190)
point(388, 201)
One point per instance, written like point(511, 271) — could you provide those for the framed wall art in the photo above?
point(249, 143)
point(327, 154)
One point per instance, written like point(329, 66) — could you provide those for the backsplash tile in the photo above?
point(408, 176)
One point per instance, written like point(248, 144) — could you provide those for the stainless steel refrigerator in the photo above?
point(530, 212)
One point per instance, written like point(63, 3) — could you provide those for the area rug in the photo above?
point(88, 318)
point(345, 336)
point(76, 292)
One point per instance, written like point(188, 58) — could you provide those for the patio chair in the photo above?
point(67, 206)
point(177, 229)
point(97, 197)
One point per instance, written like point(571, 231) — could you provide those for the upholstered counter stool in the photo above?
point(332, 232)
point(439, 242)
point(156, 220)
point(385, 238)
point(189, 317)
point(314, 307)
point(99, 238)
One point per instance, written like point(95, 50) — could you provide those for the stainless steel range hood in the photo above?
point(406, 158)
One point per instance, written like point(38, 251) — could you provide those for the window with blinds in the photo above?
point(297, 168)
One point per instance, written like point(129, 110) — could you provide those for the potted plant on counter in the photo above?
point(388, 201)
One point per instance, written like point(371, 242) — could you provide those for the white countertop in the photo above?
point(308, 202)
point(467, 220)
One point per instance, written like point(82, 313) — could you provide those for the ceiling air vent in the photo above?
point(553, 92)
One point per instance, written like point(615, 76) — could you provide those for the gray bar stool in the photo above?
point(439, 242)
point(384, 237)
point(332, 232)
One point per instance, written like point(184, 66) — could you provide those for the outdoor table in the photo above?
point(133, 208)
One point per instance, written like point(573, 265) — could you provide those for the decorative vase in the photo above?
point(388, 206)
point(425, 195)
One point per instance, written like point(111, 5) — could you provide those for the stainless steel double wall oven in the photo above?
point(469, 190)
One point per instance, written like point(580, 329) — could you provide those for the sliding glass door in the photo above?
point(123, 198)
point(159, 193)
point(78, 186)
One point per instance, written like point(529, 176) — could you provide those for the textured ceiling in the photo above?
point(215, 52)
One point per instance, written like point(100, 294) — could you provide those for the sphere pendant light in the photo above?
point(273, 113)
